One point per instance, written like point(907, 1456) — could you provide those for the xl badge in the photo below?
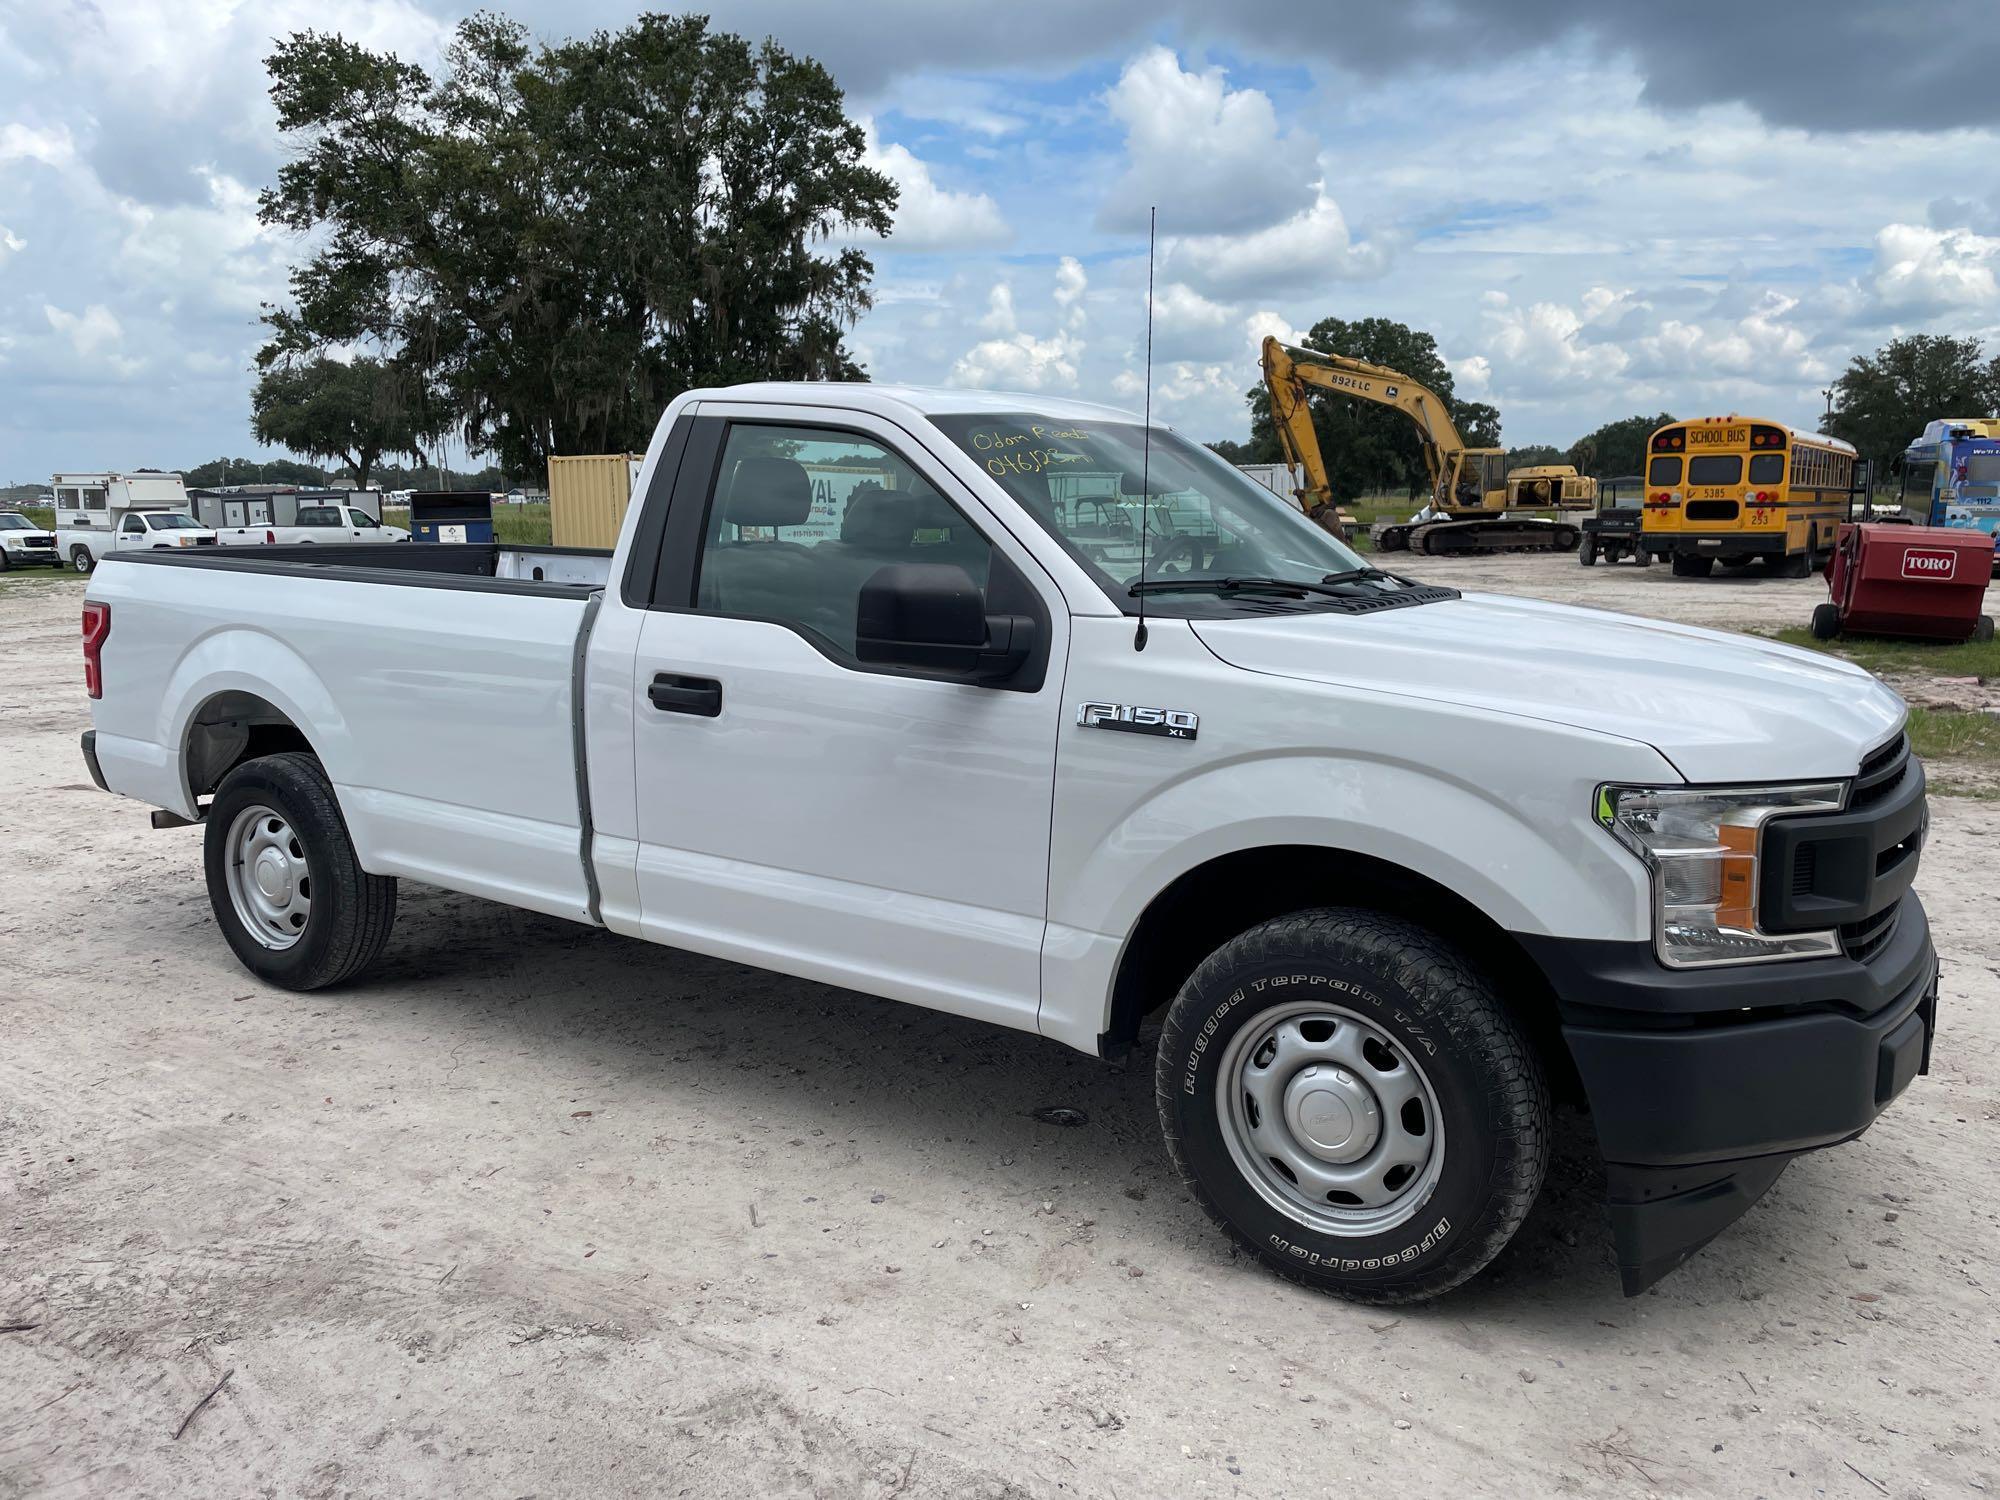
point(1175, 723)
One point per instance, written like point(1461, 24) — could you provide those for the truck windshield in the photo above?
point(1097, 490)
point(172, 521)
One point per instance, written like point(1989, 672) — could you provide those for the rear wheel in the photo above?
point(1349, 1099)
point(1825, 622)
point(1587, 553)
point(1792, 565)
point(1692, 567)
point(292, 901)
point(1642, 557)
point(79, 559)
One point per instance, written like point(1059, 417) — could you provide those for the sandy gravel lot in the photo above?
point(536, 1210)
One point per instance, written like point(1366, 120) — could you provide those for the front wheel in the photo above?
point(1587, 553)
point(1825, 621)
point(1642, 557)
point(290, 897)
point(1350, 1100)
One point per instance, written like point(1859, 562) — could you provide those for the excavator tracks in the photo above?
point(1443, 538)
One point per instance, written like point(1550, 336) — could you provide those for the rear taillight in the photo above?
point(96, 626)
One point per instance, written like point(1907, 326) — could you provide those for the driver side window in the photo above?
point(801, 517)
point(132, 526)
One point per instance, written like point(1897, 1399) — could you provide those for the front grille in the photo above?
point(40, 543)
point(1862, 940)
point(1880, 771)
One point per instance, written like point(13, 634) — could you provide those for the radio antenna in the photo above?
point(1146, 438)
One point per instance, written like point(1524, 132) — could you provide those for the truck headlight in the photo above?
point(1702, 845)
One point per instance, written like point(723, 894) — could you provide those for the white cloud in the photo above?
point(1308, 249)
point(10, 243)
point(88, 331)
point(1213, 155)
point(51, 147)
point(1015, 359)
point(1071, 284)
point(1924, 270)
point(929, 217)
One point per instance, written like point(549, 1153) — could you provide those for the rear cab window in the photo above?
point(1664, 470)
point(1712, 469)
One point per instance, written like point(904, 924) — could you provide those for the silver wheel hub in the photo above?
point(1331, 1119)
point(270, 883)
point(1334, 1114)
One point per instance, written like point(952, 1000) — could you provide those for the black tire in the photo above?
point(1587, 553)
point(1792, 565)
point(1825, 621)
point(1982, 630)
point(4, 564)
point(1642, 557)
point(1406, 983)
point(1692, 567)
point(80, 559)
point(352, 911)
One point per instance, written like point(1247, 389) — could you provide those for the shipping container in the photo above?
point(588, 493)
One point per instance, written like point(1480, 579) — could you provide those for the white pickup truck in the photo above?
point(86, 543)
point(317, 525)
point(858, 698)
point(23, 544)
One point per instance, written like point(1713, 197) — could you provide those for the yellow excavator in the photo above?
point(1475, 509)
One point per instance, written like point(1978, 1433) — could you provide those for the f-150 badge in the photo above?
point(1175, 723)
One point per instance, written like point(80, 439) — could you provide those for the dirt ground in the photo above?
point(535, 1210)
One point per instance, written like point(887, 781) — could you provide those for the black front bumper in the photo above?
point(1704, 1083)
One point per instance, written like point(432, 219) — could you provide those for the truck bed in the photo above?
point(471, 565)
point(444, 706)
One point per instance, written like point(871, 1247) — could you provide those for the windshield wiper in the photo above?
point(1224, 586)
point(1333, 585)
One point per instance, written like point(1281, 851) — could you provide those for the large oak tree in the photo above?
point(559, 238)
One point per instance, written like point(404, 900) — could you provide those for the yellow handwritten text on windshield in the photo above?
point(1021, 450)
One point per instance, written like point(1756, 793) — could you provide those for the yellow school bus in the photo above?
point(1736, 489)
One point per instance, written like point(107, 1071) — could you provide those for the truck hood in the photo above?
point(1721, 707)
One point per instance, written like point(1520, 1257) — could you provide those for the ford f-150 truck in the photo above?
point(317, 525)
point(1023, 710)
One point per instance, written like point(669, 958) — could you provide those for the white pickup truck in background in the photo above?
point(315, 525)
point(23, 544)
point(1376, 869)
point(86, 543)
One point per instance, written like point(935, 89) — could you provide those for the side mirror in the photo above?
point(932, 615)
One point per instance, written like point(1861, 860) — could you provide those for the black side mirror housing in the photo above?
point(932, 616)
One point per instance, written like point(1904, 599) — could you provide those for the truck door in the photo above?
point(885, 828)
point(131, 532)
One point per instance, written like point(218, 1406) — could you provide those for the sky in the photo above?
point(1598, 210)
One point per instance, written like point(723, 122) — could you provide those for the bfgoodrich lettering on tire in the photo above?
point(291, 899)
point(1346, 1095)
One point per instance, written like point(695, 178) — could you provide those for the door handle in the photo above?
point(674, 694)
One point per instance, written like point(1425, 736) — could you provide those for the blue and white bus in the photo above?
point(1951, 475)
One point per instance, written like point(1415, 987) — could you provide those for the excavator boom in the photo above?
point(1468, 485)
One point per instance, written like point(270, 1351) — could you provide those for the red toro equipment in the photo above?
point(1924, 581)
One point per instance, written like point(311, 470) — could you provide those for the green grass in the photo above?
point(1918, 658)
point(1950, 734)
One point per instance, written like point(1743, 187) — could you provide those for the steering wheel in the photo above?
point(1181, 548)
